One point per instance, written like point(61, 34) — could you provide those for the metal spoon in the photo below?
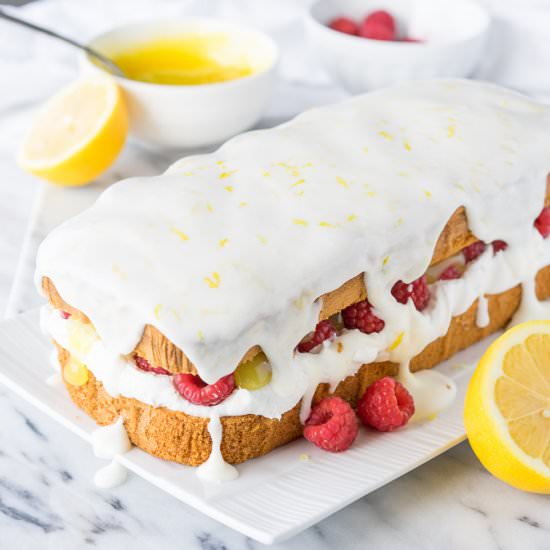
point(104, 61)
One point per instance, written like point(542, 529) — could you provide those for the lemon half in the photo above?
point(507, 407)
point(78, 134)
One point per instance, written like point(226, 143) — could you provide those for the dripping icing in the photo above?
point(110, 476)
point(130, 228)
point(482, 313)
point(216, 468)
point(108, 442)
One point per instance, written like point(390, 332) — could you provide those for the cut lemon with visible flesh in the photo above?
point(78, 134)
point(507, 407)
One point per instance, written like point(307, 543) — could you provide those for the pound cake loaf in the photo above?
point(211, 307)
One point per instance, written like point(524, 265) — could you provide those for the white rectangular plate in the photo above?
point(275, 496)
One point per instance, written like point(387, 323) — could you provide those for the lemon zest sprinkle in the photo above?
point(385, 135)
point(223, 242)
point(352, 217)
point(299, 182)
point(397, 341)
point(407, 145)
point(229, 188)
point(299, 221)
point(262, 239)
point(451, 130)
point(428, 194)
point(243, 204)
point(385, 260)
point(225, 175)
point(180, 234)
point(342, 182)
point(209, 207)
point(157, 311)
point(326, 224)
point(213, 282)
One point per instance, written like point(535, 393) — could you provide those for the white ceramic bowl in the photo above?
point(454, 34)
point(189, 116)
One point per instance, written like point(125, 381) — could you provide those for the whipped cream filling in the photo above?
point(406, 335)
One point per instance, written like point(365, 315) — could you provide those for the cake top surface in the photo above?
point(224, 248)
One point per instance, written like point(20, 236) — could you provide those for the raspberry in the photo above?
point(498, 246)
point(450, 272)
point(360, 316)
point(65, 314)
point(473, 251)
point(345, 25)
point(386, 405)
point(196, 391)
point(379, 25)
point(144, 365)
point(542, 223)
point(332, 425)
point(417, 290)
point(323, 331)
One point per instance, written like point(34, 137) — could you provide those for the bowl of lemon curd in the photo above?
point(190, 83)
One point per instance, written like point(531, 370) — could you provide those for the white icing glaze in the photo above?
point(366, 177)
point(482, 312)
point(215, 468)
point(230, 250)
point(110, 476)
point(109, 441)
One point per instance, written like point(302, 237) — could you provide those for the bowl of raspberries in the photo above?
point(365, 45)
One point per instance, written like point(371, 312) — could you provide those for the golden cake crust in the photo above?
point(179, 437)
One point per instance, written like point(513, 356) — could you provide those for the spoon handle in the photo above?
point(112, 67)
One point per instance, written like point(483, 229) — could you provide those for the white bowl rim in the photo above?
point(484, 27)
point(217, 23)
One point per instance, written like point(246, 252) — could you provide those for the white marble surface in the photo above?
point(46, 496)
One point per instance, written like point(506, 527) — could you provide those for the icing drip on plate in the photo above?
point(108, 442)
